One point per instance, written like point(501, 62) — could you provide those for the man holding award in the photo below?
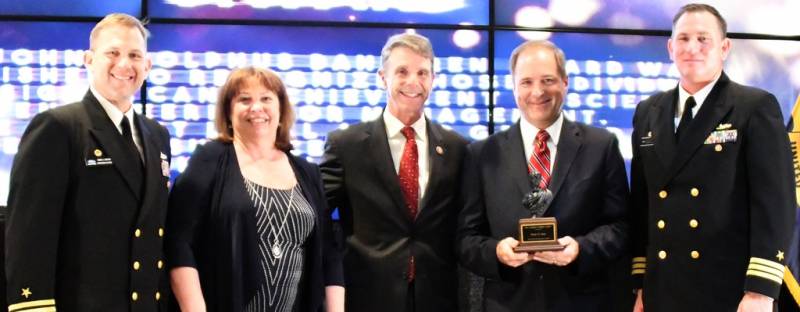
point(544, 201)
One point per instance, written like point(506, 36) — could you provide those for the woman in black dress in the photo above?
point(248, 227)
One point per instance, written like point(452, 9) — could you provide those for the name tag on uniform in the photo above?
point(99, 162)
point(97, 159)
point(647, 140)
point(722, 136)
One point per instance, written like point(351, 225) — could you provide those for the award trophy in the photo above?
point(537, 233)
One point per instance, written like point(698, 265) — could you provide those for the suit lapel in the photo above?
point(568, 146)
point(517, 168)
point(714, 108)
point(662, 126)
point(152, 163)
point(381, 155)
point(109, 138)
point(437, 163)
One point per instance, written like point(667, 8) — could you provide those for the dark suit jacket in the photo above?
point(590, 196)
point(711, 218)
point(380, 236)
point(213, 228)
point(71, 237)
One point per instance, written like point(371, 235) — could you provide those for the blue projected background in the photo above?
point(331, 84)
point(473, 12)
point(331, 72)
point(776, 17)
point(86, 8)
point(607, 81)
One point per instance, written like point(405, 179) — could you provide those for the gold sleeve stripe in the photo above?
point(769, 263)
point(639, 259)
point(765, 269)
point(765, 276)
point(640, 265)
point(45, 309)
point(637, 271)
point(31, 304)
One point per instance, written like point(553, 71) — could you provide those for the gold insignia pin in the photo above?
point(779, 255)
point(98, 152)
point(724, 126)
point(439, 150)
point(26, 292)
point(649, 134)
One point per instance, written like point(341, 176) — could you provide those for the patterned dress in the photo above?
point(284, 220)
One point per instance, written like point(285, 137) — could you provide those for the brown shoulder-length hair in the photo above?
point(237, 80)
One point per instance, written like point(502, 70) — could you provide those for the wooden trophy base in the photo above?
point(538, 234)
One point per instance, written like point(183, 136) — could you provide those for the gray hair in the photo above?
point(417, 43)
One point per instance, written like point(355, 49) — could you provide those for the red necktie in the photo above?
point(409, 183)
point(409, 172)
point(540, 158)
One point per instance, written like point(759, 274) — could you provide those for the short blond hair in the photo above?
point(417, 43)
point(118, 19)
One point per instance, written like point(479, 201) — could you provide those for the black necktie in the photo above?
point(133, 156)
point(686, 118)
point(127, 134)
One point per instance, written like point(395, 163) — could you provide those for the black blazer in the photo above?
point(360, 179)
point(590, 201)
point(79, 234)
point(712, 219)
point(213, 229)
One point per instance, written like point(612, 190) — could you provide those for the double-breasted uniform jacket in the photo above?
point(590, 194)
point(713, 214)
point(82, 233)
point(360, 180)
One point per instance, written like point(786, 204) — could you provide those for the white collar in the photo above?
point(699, 96)
point(394, 126)
point(112, 110)
point(529, 131)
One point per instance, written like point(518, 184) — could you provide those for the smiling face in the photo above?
point(407, 77)
point(118, 64)
point(698, 49)
point(255, 112)
point(539, 89)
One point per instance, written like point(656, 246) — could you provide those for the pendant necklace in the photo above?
point(275, 249)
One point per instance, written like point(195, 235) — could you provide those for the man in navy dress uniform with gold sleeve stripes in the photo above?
point(711, 180)
point(89, 189)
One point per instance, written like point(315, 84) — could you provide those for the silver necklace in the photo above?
point(275, 249)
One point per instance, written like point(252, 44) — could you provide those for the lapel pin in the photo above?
point(439, 150)
point(98, 152)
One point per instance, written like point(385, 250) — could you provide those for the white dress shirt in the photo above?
point(397, 141)
point(529, 132)
point(699, 97)
point(116, 115)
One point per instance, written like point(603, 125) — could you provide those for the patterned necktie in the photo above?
point(409, 184)
point(686, 118)
point(540, 158)
point(409, 172)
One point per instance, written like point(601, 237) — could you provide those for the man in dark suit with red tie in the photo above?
point(711, 181)
point(88, 196)
point(581, 166)
point(395, 182)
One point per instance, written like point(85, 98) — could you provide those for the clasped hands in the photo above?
point(506, 255)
